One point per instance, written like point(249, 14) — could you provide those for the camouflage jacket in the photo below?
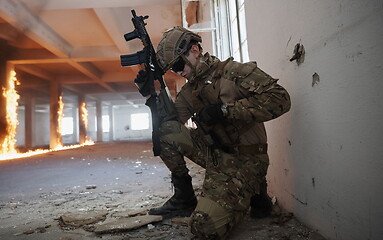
point(251, 95)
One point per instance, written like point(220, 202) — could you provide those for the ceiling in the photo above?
point(78, 44)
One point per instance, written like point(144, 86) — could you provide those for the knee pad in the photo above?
point(210, 220)
point(203, 226)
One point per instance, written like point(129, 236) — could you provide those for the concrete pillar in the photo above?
point(55, 136)
point(111, 125)
point(99, 120)
point(81, 123)
point(3, 111)
point(29, 121)
point(4, 75)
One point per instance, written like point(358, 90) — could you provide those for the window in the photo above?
point(221, 22)
point(139, 121)
point(198, 16)
point(231, 29)
point(67, 126)
point(105, 123)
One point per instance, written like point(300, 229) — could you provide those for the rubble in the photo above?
point(82, 218)
point(181, 221)
point(125, 224)
point(129, 213)
point(30, 231)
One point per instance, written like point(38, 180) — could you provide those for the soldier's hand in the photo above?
point(211, 114)
point(143, 84)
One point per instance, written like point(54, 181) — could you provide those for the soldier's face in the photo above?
point(181, 68)
point(191, 61)
point(187, 72)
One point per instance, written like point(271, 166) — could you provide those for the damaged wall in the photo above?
point(326, 152)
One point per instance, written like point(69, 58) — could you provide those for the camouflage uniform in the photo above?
point(234, 169)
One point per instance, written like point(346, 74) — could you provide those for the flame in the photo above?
point(84, 119)
point(15, 154)
point(84, 114)
point(60, 116)
point(12, 97)
point(8, 148)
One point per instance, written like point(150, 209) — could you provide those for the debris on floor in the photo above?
point(82, 218)
point(126, 224)
point(181, 221)
point(82, 201)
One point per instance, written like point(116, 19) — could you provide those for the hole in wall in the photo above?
point(299, 54)
point(316, 79)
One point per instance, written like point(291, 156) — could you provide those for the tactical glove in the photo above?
point(211, 114)
point(143, 84)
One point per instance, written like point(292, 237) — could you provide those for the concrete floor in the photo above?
point(106, 165)
point(118, 177)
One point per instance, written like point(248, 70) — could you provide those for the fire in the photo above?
point(60, 116)
point(12, 97)
point(84, 119)
point(84, 115)
point(41, 151)
point(8, 147)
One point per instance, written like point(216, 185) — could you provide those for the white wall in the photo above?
point(91, 131)
point(122, 123)
point(41, 124)
point(20, 129)
point(326, 153)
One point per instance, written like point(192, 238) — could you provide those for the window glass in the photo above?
point(139, 121)
point(105, 123)
point(222, 25)
point(231, 30)
point(67, 126)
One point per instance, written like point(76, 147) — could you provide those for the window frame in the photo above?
point(230, 18)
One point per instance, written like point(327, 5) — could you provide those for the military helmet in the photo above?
point(173, 44)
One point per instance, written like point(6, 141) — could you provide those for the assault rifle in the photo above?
point(161, 105)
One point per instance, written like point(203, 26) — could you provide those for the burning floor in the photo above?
point(103, 191)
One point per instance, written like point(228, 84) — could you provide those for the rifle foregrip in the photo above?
point(132, 35)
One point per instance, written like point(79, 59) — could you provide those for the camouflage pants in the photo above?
point(230, 180)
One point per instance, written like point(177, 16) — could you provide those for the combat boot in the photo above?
point(261, 204)
point(182, 203)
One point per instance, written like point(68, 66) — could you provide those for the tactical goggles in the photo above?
point(178, 66)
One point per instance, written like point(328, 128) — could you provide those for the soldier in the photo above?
point(229, 102)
